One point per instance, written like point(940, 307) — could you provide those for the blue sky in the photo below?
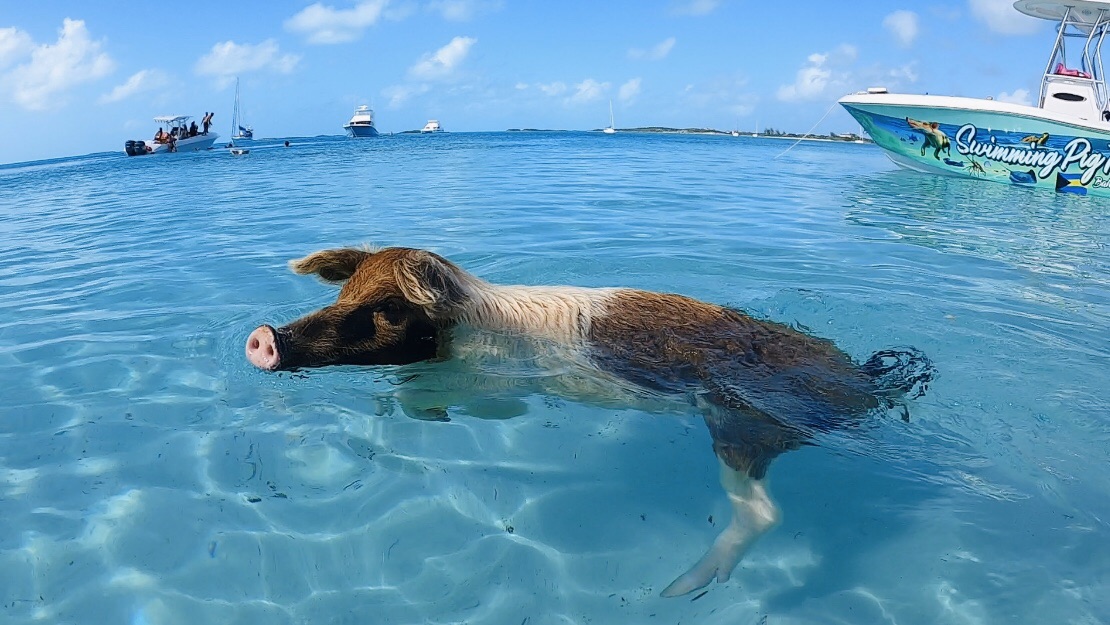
point(79, 77)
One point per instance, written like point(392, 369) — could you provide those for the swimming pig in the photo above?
point(762, 387)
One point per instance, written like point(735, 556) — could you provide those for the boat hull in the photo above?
point(361, 131)
point(987, 140)
point(190, 144)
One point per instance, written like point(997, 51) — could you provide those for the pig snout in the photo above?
point(262, 348)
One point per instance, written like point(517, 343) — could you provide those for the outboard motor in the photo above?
point(135, 148)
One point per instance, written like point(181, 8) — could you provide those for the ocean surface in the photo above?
point(150, 476)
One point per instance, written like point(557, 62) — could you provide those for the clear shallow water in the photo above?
point(148, 475)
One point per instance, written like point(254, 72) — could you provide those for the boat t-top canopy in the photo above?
point(173, 119)
point(1079, 12)
point(1074, 80)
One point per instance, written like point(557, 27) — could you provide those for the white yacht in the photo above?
point(432, 126)
point(610, 130)
point(361, 123)
point(175, 134)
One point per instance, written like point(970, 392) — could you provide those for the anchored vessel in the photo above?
point(1061, 143)
point(361, 123)
point(238, 131)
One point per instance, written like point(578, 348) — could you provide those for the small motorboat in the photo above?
point(174, 135)
point(1061, 143)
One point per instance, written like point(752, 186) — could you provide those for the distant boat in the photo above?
point(238, 132)
point(361, 123)
point(610, 130)
point(432, 126)
point(176, 137)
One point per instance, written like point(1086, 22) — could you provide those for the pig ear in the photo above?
point(330, 265)
point(431, 281)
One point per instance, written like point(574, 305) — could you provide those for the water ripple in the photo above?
point(147, 472)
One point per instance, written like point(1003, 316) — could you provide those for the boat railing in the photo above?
point(1096, 67)
point(1090, 59)
point(1056, 47)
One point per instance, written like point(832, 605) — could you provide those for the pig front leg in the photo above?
point(753, 514)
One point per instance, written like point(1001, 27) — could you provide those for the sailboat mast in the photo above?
point(235, 111)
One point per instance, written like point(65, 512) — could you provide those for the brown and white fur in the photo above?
point(762, 387)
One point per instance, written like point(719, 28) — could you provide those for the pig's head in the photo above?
point(394, 308)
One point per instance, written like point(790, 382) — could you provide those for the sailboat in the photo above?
point(610, 130)
point(238, 132)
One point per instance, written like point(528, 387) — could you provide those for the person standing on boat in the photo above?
point(193, 129)
point(206, 121)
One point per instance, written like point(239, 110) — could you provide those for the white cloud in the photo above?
point(442, 62)
point(1018, 96)
point(323, 24)
point(659, 51)
point(553, 89)
point(461, 10)
point(521, 86)
point(630, 90)
point(903, 74)
point(724, 93)
point(14, 46)
point(53, 68)
point(145, 80)
point(695, 7)
point(439, 66)
point(1001, 17)
point(903, 25)
point(588, 90)
point(399, 94)
point(229, 59)
point(822, 73)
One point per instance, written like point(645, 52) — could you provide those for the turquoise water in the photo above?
point(149, 475)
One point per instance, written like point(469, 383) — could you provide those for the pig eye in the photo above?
point(359, 322)
point(392, 310)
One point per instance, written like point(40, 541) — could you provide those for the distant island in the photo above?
point(769, 133)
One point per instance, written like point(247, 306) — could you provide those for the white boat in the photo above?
point(432, 126)
point(238, 131)
point(175, 134)
point(1059, 143)
point(361, 123)
point(610, 130)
